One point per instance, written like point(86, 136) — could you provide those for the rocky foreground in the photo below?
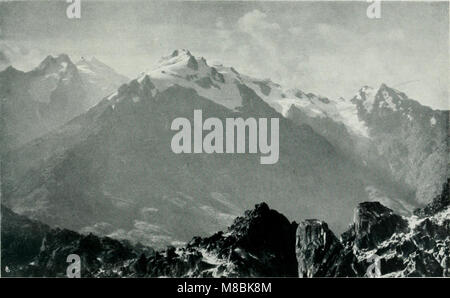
point(260, 243)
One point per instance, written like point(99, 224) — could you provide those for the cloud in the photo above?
point(257, 42)
point(19, 56)
point(256, 21)
point(328, 58)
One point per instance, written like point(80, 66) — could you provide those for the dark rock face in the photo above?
point(379, 242)
point(192, 63)
point(99, 256)
point(30, 248)
point(438, 204)
point(260, 243)
point(374, 223)
point(319, 252)
point(21, 239)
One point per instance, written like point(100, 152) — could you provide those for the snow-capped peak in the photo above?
point(184, 69)
point(55, 69)
point(384, 97)
point(389, 98)
point(181, 52)
point(220, 84)
point(367, 95)
point(365, 90)
point(181, 58)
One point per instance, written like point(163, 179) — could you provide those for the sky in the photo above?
point(327, 48)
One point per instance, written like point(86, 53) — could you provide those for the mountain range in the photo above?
point(106, 167)
point(36, 102)
point(386, 131)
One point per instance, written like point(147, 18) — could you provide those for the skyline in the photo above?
point(331, 49)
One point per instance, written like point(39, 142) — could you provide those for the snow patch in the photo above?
point(433, 121)
point(388, 101)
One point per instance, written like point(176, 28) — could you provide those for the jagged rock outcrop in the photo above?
point(100, 256)
point(319, 252)
point(30, 248)
point(261, 243)
point(379, 243)
point(374, 223)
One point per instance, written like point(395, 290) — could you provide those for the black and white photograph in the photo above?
point(224, 139)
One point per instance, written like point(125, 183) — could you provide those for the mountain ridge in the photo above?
point(261, 243)
point(110, 170)
point(40, 100)
point(105, 169)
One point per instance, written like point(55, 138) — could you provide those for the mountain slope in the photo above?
point(411, 138)
point(98, 78)
point(35, 102)
point(111, 170)
point(382, 129)
point(385, 130)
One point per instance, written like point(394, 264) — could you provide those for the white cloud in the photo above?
point(256, 21)
point(19, 56)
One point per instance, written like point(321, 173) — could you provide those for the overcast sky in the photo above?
point(329, 48)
